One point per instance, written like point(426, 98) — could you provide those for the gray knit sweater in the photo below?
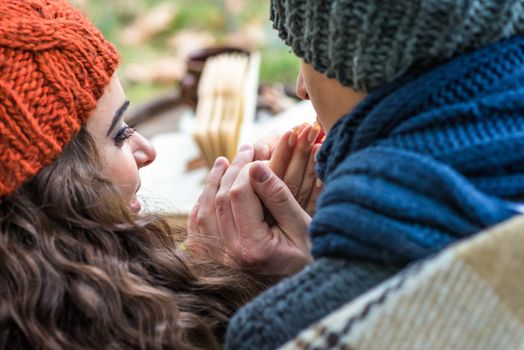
point(281, 312)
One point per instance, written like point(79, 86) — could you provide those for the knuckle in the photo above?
point(310, 171)
point(234, 251)
point(302, 196)
point(253, 257)
point(209, 181)
point(192, 219)
point(194, 212)
point(294, 188)
point(279, 193)
point(311, 209)
point(221, 202)
point(212, 179)
point(304, 149)
point(262, 150)
point(242, 158)
point(236, 193)
point(222, 198)
point(201, 220)
point(256, 255)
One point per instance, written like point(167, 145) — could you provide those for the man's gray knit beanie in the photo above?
point(365, 43)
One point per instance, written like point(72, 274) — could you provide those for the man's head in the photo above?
point(362, 44)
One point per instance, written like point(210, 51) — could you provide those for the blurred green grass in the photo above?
point(212, 16)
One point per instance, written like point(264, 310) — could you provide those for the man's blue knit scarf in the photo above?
point(425, 160)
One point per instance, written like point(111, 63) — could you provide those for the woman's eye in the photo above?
point(123, 135)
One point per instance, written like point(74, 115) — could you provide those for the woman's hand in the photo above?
point(293, 159)
point(228, 222)
point(265, 146)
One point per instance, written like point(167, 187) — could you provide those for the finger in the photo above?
point(262, 151)
point(245, 200)
point(203, 236)
point(203, 217)
point(311, 206)
point(265, 146)
point(283, 152)
point(321, 135)
point(253, 232)
point(296, 169)
point(277, 198)
point(245, 155)
point(192, 227)
point(226, 222)
point(321, 140)
point(310, 176)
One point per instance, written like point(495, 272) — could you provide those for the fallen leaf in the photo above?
point(252, 36)
point(150, 23)
point(165, 70)
point(235, 7)
point(187, 41)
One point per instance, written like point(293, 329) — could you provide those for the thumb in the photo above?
point(277, 198)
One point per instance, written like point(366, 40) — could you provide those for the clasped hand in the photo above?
point(254, 213)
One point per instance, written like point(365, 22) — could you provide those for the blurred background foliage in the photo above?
point(156, 36)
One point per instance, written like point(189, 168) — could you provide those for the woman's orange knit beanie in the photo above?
point(54, 66)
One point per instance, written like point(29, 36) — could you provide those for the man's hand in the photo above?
point(228, 225)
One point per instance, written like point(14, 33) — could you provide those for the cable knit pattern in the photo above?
point(54, 66)
point(280, 313)
point(426, 160)
point(365, 43)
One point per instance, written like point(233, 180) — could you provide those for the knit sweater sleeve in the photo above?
point(281, 312)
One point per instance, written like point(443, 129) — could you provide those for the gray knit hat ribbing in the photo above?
point(365, 43)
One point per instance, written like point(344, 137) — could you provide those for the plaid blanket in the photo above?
point(470, 296)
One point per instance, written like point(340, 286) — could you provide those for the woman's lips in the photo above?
point(136, 206)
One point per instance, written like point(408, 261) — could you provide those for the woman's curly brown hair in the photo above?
point(79, 271)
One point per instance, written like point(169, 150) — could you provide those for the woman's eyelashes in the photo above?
point(123, 134)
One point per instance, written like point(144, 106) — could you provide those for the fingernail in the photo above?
point(313, 133)
point(318, 183)
point(292, 139)
point(245, 147)
point(297, 129)
point(260, 173)
point(218, 162)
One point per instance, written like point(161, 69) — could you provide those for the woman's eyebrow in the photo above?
point(118, 115)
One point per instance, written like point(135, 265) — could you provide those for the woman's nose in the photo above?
point(301, 89)
point(145, 152)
